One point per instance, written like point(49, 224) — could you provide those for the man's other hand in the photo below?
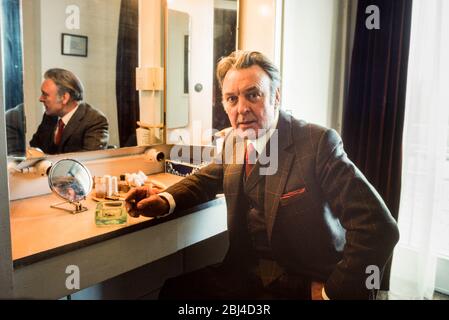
point(145, 201)
point(316, 290)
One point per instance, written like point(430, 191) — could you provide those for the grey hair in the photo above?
point(245, 59)
point(66, 81)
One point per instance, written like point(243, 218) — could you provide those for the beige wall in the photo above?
point(315, 57)
point(151, 55)
point(257, 22)
point(308, 58)
point(32, 64)
point(306, 39)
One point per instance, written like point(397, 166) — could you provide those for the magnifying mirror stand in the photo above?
point(78, 207)
point(70, 180)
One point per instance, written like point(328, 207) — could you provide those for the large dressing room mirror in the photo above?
point(199, 33)
point(98, 41)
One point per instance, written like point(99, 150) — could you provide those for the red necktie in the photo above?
point(58, 135)
point(250, 158)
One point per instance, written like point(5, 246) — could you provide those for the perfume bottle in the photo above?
point(100, 187)
point(110, 213)
point(123, 185)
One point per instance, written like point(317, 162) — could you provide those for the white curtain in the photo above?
point(422, 218)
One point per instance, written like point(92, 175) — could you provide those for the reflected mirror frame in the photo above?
point(52, 187)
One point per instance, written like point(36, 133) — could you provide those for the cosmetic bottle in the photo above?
point(123, 185)
point(114, 186)
point(100, 188)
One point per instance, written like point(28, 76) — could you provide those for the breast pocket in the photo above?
point(292, 196)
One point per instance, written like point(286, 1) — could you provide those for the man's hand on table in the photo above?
point(145, 201)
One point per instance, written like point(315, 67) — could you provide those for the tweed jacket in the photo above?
point(87, 130)
point(324, 220)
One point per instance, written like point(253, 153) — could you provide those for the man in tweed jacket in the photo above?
point(310, 229)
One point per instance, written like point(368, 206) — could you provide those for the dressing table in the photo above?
point(45, 241)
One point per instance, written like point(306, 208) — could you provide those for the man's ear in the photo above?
point(277, 97)
point(65, 98)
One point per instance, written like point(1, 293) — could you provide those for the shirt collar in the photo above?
point(68, 116)
point(260, 143)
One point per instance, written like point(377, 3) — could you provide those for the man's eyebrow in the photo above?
point(227, 94)
point(251, 89)
point(245, 91)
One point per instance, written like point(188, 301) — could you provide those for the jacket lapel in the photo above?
point(70, 128)
point(233, 173)
point(275, 183)
point(48, 134)
point(254, 176)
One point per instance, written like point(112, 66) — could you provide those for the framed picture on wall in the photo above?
point(74, 45)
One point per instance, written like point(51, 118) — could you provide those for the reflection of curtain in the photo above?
point(424, 214)
point(374, 113)
point(225, 23)
point(12, 53)
point(127, 62)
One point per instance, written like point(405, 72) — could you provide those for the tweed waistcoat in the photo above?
point(266, 268)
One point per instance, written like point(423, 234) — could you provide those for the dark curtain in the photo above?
point(12, 53)
point(127, 62)
point(374, 114)
point(225, 25)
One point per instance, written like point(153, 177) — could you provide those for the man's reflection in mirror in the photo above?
point(15, 130)
point(68, 125)
point(69, 188)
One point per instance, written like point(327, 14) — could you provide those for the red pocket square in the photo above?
point(293, 193)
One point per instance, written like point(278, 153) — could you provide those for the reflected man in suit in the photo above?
point(68, 125)
point(307, 230)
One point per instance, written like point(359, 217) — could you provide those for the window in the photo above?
point(424, 209)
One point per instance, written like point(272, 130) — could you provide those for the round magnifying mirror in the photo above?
point(71, 181)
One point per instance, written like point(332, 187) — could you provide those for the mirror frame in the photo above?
point(137, 149)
